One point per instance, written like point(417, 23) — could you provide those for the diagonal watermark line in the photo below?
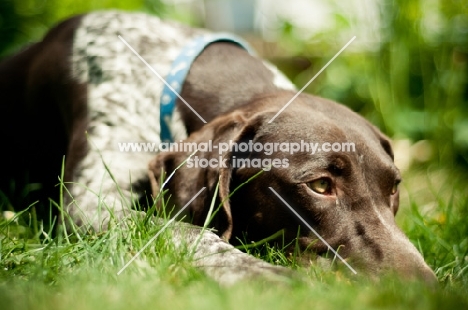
point(162, 79)
point(313, 230)
point(312, 79)
point(160, 231)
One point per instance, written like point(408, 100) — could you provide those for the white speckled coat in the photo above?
point(123, 100)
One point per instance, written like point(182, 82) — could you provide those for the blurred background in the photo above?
point(406, 71)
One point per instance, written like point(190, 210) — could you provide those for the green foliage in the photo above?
point(434, 213)
point(26, 21)
point(413, 84)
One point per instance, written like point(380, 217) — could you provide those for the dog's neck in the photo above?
point(223, 77)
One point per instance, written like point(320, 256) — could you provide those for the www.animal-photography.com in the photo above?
point(249, 154)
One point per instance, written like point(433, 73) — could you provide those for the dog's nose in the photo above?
point(410, 268)
point(421, 272)
point(410, 264)
point(385, 249)
point(428, 276)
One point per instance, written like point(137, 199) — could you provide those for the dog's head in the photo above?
point(349, 195)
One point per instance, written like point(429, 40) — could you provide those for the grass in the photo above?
point(80, 272)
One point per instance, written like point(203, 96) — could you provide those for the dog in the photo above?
point(97, 81)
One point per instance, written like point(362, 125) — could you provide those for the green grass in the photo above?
point(80, 272)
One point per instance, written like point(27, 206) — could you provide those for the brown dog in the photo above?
point(350, 198)
point(82, 83)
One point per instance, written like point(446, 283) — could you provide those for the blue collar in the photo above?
point(179, 70)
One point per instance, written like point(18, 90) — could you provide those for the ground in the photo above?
point(80, 272)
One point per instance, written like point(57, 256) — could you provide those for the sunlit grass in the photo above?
point(39, 271)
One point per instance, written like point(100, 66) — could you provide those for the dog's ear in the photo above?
point(386, 145)
point(383, 140)
point(193, 176)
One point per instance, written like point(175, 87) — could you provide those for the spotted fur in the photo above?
point(123, 102)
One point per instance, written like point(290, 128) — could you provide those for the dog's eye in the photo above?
point(320, 186)
point(395, 188)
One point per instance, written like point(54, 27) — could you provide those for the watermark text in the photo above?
point(268, 148)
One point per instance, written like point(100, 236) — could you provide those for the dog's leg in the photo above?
point(221, 261)
point(224, 263)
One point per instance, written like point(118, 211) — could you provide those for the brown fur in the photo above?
point(347, 217)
